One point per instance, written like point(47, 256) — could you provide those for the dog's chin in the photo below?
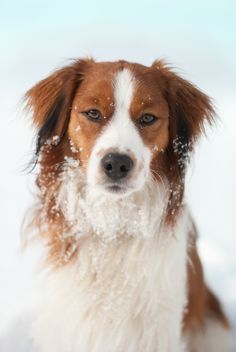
point(115, 190)
point(121, 190)
point(118, 190)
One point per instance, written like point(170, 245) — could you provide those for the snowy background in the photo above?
point(198, 38)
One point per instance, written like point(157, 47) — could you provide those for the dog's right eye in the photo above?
point(94, 115)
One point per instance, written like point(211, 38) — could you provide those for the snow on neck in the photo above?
point(92, 213)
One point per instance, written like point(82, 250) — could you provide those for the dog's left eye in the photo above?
point(147, 119)
point(94, 115)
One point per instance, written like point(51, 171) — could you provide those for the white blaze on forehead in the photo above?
point(124, 90)
point(121, 134)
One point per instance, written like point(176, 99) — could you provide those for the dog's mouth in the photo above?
point(117, 189)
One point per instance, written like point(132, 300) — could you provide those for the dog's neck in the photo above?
point(129, 274)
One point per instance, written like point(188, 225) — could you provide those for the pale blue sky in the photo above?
point(218, 14)
point(193, 35)
point(207, 21)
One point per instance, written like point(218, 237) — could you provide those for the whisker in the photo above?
point(159, 176)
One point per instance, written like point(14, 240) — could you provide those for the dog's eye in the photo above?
point(146, 120)
point(94, 115)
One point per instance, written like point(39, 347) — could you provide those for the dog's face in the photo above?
point(118, 125)
point(125, 123)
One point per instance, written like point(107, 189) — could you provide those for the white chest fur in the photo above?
point(125, 295)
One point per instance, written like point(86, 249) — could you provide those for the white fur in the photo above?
point(90, 211)
point(214, 337)
point(126, 289)
point(122, 136)
point(123, 293)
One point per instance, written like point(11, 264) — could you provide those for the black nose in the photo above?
point(117, 166)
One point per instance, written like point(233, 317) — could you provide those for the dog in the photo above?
point(123, 272)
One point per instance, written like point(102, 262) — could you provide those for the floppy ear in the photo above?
point(189, 109)
point(51, 99)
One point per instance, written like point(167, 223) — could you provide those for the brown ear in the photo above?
point(189, 110)
point(51, 99)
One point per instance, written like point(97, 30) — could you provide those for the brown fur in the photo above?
point(202, 302)
point(189, 109)
point(181, 108)
point(58, 103)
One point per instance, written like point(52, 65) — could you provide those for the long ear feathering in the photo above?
point(186, 101)
point(50, 101)
point(189, 110)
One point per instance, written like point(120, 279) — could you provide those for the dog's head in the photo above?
point(124, 123)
